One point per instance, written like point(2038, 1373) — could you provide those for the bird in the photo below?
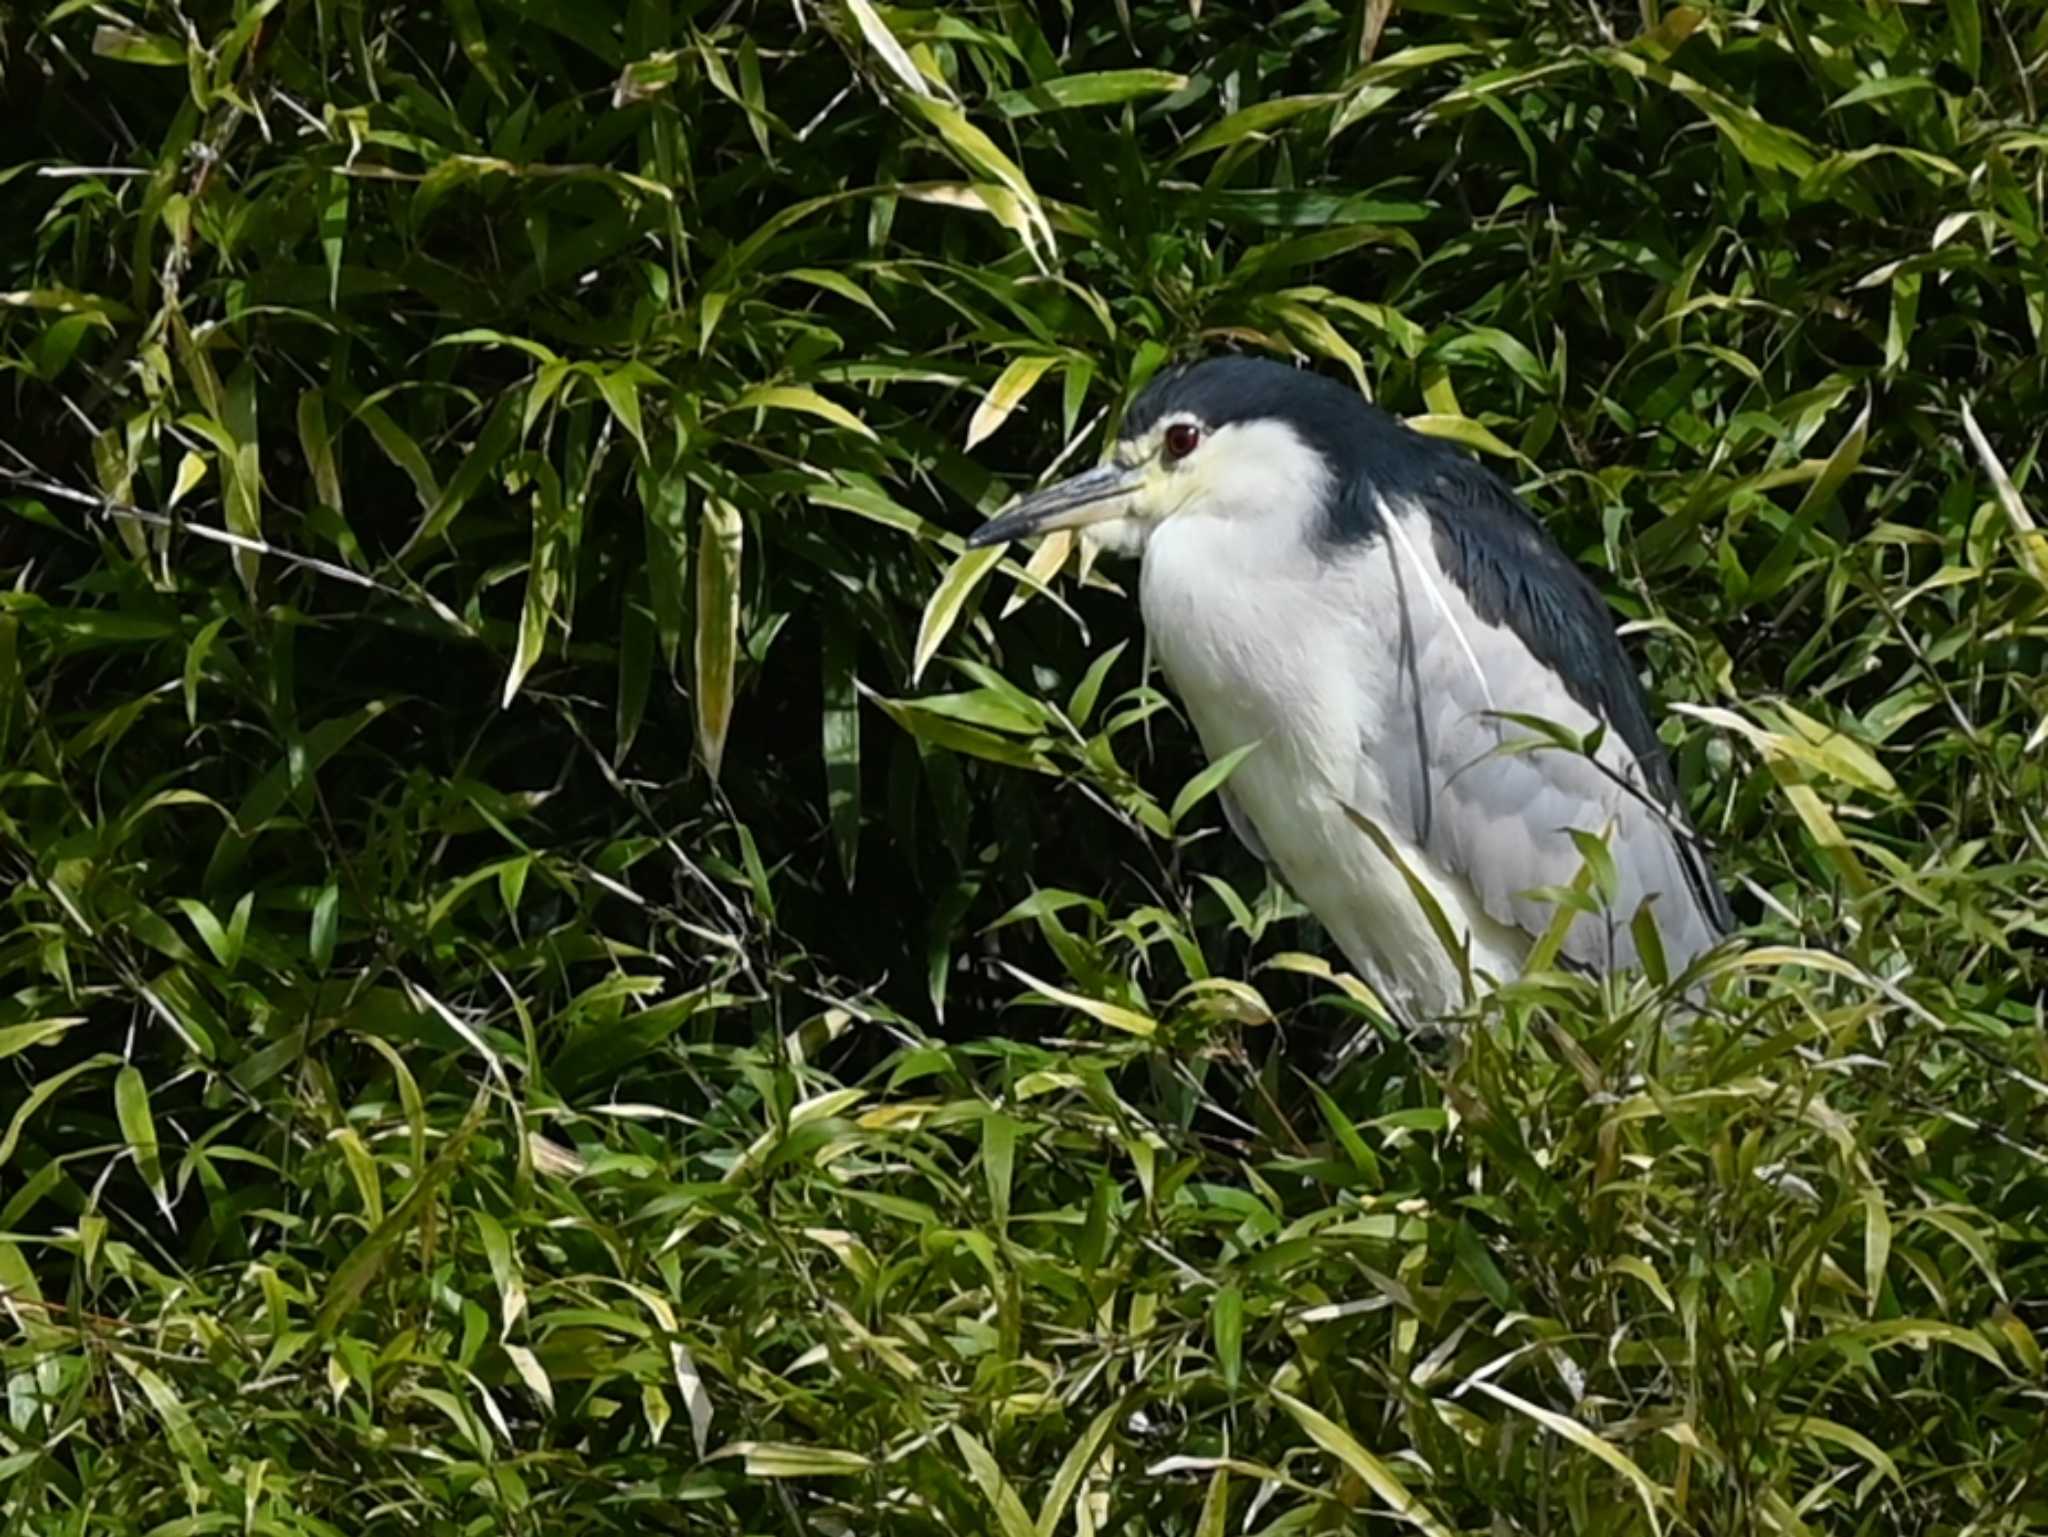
point(1430, 696)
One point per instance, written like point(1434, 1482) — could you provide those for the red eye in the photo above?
point(1181, 439)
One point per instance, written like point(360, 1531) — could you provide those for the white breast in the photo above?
point(1266, 641)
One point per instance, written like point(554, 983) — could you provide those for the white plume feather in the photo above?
point(1399, 536)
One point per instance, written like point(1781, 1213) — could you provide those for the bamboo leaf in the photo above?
point(1066, 1479)
point(1005, 395)
point(1376, 1475)
point(942, 608)
point(1095, 88)
point(878, 37)
point(798, 397)
point(620, 388)
point(131, 47)
point(1776, 569)
point(715, 654)
point(499, 434)
point(179, 1429)
point(664, 505)
point(1261, 117)
point(352, 1277)
point(981, 153)
point(944, 731)
point(43, 1091)
point(241, 471)
point(19, 1038)
point(1208, 782)
point(543, 581)
point(334, 234)
point(1571, 1430)
point(138, 1127)
point(1817, 1429)
point(1011, 1519)
point(1114, 1015)
point(1226, 1327)
point(1463, 431)
point(318, 447)
point(998, 1163)
point(1215, 1516)
point(783, 1459)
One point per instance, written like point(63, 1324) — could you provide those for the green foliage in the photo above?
point(574, 964)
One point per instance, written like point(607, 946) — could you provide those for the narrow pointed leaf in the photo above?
point(1005, 395)
point(138, 1127)
point(716, 653)
point(1377, 1476)
point(942, 608)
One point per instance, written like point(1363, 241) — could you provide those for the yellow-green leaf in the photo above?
point(19, 1038)
point(1377, 1476)
point(1463, 431)
point(1096, 88)
point(543, 581)
point(716, 650)
point(799, 397)
point(1585, 1440)
point(1840, 1435)
point(1011, 1518)
point(354, 1274)
point(191, 470)
point(1247, 121)
point(1208, 781)
point(179, 1431)
point(1836, 752)
point(1226, 1325)
point(1072, 1469)
point(942, 608)
point(943, 730)
point(1919, 1333)
point(1972, 1242)
point(883, 41)
point(787, 1459)
point(2033, 550)
point(1644, 1271)
point(1113, 1015)
point(1005, 395)
point(132, 47)
point(1215, 1505)
point(241, 472)
point(138, 1127)
point(532, 1373)
point(318, 448)
point(621, 391)
point(982, 153)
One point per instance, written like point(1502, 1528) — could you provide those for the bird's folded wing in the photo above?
point(1494, 802)
point(1241, 824)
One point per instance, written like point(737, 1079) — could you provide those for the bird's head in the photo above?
point(1228, 437)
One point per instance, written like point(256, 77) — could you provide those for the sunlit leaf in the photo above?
point(796, 397)
point(138, 1126)
point(1652, 1496)
point(1375, 1474)
point(716, 651)
point(1098, 88)
point(942, 608)
point(1005, 395)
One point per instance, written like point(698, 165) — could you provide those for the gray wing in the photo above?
point(1241, 824)
point(1494, 802)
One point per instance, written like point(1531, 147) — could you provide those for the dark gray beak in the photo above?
point(1089, 497)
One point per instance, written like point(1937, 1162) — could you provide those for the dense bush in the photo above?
point(572, 964)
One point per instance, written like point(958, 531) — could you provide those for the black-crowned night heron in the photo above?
point(1373, 608)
